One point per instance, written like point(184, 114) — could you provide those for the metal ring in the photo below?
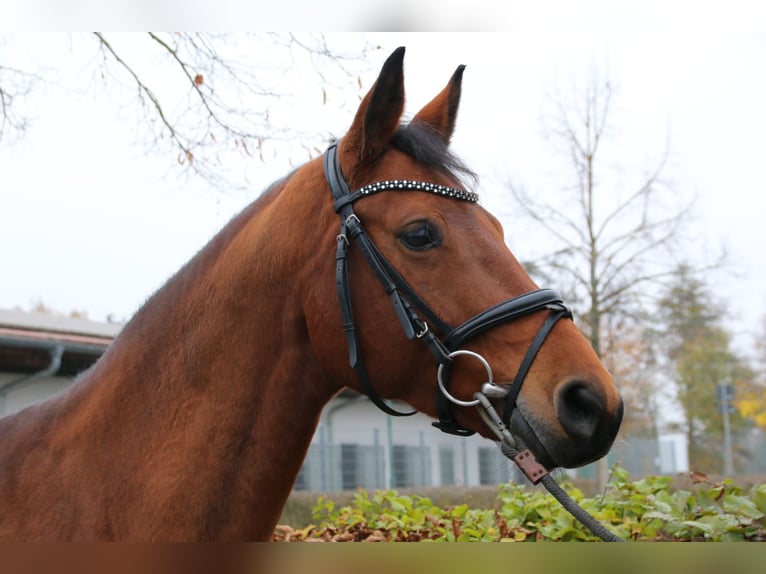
point(441, 383)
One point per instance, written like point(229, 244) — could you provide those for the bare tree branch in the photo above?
point(547, 215)
point(642, 194)
point(228, 83)
point(15, 86)
point(145, 91)
point(228, 92)
point(603, 252)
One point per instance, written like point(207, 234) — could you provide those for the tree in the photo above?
point(631, 359)
point(687, 311)
point(699, 351)
point(751, 403)
point(198, 96)
point(607, 228)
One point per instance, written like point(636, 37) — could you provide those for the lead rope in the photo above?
point(533, 470)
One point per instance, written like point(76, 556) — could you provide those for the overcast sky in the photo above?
point(89, 220)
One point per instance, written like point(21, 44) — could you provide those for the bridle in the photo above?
point(407, 303)
point(409, 306)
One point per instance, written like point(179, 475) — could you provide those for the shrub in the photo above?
point(647, 509)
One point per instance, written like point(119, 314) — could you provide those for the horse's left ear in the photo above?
point(441, 112)
point(378, 115)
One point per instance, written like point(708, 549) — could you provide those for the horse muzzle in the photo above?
point(583, 431)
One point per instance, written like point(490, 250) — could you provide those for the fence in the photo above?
point(382, 458)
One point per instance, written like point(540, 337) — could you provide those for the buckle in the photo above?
point(528, 464)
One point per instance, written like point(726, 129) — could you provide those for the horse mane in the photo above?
point(427, 147)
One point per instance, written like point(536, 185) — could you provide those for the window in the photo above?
point(492, 466)
point(446, 465)
point(349, 466)
point(410, 466)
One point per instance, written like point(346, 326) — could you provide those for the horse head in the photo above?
point(413, 234)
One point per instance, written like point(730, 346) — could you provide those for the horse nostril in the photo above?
point(580, 410)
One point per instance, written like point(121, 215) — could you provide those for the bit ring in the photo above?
point(443, 389)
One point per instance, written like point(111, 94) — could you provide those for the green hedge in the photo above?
point(647, 509)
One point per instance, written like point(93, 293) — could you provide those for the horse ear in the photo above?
point(440, 113)
point(378, 115)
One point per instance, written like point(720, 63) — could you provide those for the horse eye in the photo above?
point(420, 236)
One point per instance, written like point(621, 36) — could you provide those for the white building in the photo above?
point(40, 354)
point(356, 444)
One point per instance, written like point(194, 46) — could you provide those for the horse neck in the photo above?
point(214, 380)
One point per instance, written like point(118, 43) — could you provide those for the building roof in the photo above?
point(27, 339)
point(60, 325)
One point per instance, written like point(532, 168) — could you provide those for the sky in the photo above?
point(91, 220)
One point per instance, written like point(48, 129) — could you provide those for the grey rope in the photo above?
point(509, 445)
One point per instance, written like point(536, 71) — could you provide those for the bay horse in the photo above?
point(194, 423)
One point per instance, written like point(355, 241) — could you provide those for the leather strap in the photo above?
point(529, 357)
point(405, 300)
point(506, 311)
point(351, 229)
point(509, 310)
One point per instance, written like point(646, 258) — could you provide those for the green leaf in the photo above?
point(742, 506)
point(459, 511)
point(666, 516)
point(732, 536)
point(397, 506)
point(758, 496)
point(620, 476)
point(704, 527)
point(707, 500)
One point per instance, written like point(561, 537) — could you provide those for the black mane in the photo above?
point(427, 147)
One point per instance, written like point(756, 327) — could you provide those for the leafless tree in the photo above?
point(202, 96)
point(611, 236)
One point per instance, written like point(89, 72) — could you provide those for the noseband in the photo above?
point(409, 306)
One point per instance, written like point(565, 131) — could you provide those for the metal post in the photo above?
point(390, 436)
point(464, 452)
point(725, 395)
point(377, 458)
point(322, 460)
point(728, 464)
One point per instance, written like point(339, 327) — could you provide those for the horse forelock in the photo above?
point(428, 148)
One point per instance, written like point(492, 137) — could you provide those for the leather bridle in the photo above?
point(409, 306)
point(407, 303)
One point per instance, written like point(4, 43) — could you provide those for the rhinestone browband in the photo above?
point(411, 185)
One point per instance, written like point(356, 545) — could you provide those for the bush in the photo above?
point(647, 509)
